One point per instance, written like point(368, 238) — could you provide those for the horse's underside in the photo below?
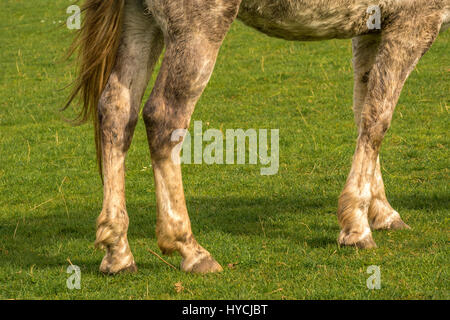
point(121, 41)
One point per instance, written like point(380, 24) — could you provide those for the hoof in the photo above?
point(205, 265)
point(356, 239)
point(398, 225)
point(394, 222)
point(109, 269)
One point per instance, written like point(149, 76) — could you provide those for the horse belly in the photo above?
point(303, 20)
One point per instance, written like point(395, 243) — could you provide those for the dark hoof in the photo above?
point(132, 268)
point(398, 225)
point(205, 265)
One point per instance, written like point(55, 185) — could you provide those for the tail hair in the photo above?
point(95, 45)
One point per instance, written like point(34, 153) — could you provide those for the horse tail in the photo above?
point(96, 45)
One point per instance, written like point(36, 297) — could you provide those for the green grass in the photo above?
point(280, 231)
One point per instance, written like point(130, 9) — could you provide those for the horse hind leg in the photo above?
point(141, 45)
point(380, 213)
point(169, 108)
point(402, 44)
point(186, 68)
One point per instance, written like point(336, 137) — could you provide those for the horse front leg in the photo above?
point(141, 45)
point(191, 52)
point(401, 46)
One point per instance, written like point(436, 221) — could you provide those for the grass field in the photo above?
point(274, 235)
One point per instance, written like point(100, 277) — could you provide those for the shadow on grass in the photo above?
point(32, 241)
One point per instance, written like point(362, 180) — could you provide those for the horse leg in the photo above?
point(191, 52)
point(141, 45)
point(380, 213)
point(402, 44)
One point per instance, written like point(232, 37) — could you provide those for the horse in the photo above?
point(120, 42)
